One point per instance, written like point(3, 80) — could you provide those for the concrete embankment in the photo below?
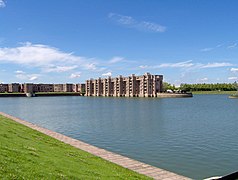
point(174, 95)
point(233, 96)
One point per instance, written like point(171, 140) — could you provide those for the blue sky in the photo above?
point(58, 41)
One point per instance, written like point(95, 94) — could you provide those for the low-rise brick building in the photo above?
point(3, 88)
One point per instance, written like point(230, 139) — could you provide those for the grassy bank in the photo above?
point(29, 154)
point(214, 92)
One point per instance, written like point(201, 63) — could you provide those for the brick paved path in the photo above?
point(139, 167)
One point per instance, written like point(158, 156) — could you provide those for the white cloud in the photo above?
point(187, 65)
point(21, 76)
point(126, 20)
point(59, 68)
point(184, 64)
point(130, 22)
point(214, 48)
point(204, 79)
point(47, 58)
point(116, 60)
point(2, 4)
point(143, 66)
point(215, 65)
point(151, 27)
point(19, 72)
point(234, 69)
point(232, 46)
point(36, 55)
point(33, 78)
point(91, 66)
point(232, 78)
point(24, 76)
point(207, 49)
point(75, 75)
point(107, 74)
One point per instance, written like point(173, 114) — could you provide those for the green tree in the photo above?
point(167, 86)
point(209, 87)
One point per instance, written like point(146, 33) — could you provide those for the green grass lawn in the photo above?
point(29, 154)
point(214, 92)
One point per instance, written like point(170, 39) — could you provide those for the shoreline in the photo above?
point(159, 95)
point(134, 165)
point(175, 95)
point(40, 94)
point(214, 92)
point(233, 96)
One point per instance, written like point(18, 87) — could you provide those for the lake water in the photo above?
point(195, 137)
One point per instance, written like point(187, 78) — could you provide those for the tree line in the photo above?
point(203, 87)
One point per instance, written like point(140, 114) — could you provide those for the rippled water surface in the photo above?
point(196, 137)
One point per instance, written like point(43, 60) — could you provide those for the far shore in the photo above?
point(214, 92)
point(41, 94)
point(38, 94)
